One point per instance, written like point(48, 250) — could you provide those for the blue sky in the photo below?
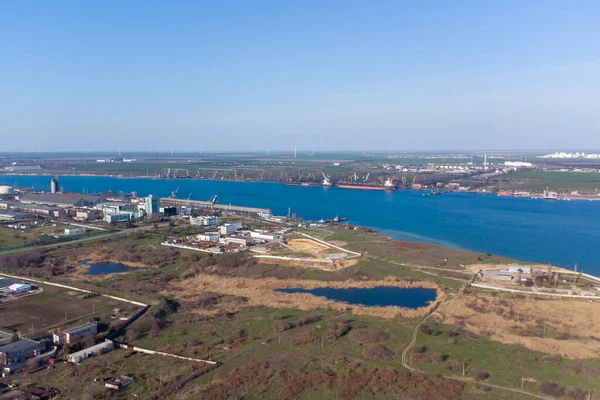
point(126, 75)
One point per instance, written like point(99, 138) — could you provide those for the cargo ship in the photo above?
point(387, 185)
point(505, 193)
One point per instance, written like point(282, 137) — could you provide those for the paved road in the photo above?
point(86, 239)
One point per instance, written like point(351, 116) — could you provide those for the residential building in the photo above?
point(75, 334)
point(20, 351)
point(519, 269)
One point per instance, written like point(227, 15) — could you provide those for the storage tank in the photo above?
point(5, 189)
point(54, 185)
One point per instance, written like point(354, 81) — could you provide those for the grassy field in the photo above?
point(556, 176)
point(54, 307)
point(505, 364)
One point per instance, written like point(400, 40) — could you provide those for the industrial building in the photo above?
point(208, 237)
point(95, 350)
point(54, 185)
point(62, 199)
point(11, 216)
point(6, 190)
point(227, 229)
point(117, 218)
point(204, 221)
point(239, 241)
point(75, 334)
point(14, 287)
point(149, 205)
point(264, 235)
point(20, 351)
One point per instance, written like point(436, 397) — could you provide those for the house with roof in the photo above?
point(20, 351)
point(75, 334)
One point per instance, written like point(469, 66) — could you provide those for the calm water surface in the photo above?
point(108, 268)
point(559, 232)
point(378, 296)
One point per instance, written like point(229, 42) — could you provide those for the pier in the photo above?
point(167, 201)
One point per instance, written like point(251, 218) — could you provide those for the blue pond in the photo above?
point(378, 296)
point(107, 268)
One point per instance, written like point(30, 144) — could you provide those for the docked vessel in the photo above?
point(387, 185)
point(505, 193)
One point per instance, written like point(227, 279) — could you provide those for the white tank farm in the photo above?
point(5, 189)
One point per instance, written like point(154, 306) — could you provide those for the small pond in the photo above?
point(378, 296)
point(108, 268)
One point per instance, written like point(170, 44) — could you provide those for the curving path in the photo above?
point(406, 358)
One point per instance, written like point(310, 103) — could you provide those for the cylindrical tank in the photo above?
point(5, 189)
point(54, 185)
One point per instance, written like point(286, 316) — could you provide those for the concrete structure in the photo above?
point(207, 204)
point(54, 185)
point(264, 235)
point(239, 241)
point(519, 269)
point(229, 228)
point(208, 237)
point(76, 333)
point(95, 350)
point(62, 199)
point(20, 287)
point(74, 231)
point(88, 215)
point(6, 190)
point(119, 383)
point(518, 164)
point(11, 216)
point(117, 218)
point(204, 221)
point(20, 351)
point(150, 205)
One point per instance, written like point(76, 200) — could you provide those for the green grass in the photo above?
point(555, 176)
point(506, 364)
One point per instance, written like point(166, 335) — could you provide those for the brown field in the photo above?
point(315, 265)
point(260, 292)
point(316, 249)
point(52, 308)
point(565, 327)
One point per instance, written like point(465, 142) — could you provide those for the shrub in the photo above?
point(551, 389)
point(418, 349)
point(336, 330)
point(362, 336)
point(377, 352)
point(482, 376)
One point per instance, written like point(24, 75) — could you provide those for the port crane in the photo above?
point(174, 193)
point(213, 199)
point(367, 176)
point(190, 196)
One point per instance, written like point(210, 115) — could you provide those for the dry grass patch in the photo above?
point(261, 292)
point(564, 327)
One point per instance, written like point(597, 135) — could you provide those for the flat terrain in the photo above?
point(284, 347)
point(54, 307)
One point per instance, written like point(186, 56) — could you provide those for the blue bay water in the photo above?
point(557, 232)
